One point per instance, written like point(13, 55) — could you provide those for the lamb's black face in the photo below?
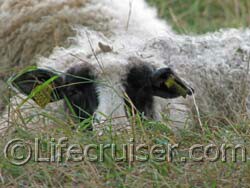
point(80, 91)
point(138, 87)
point(144, 82)
point(77, 87)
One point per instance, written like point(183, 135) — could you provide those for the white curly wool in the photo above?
point(58, 34)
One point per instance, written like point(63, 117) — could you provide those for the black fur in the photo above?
point(144, 81)
point(138, 87)
point(80, 90)
point(77, 86)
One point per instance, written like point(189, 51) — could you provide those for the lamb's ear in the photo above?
point(43, 86)
point(167, 84)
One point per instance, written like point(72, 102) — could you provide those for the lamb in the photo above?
point(216, 64)
point(117, 39)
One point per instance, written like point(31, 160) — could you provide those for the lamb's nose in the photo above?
point(190, 91)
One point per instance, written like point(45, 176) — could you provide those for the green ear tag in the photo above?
point(43, 97)
point(171, 83)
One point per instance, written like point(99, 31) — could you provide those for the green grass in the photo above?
point(201, 16)
point(191, 16)
point(128, 173)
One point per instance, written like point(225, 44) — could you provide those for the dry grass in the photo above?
point(128, 173)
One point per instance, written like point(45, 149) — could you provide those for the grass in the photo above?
point(199, 16)
point(128, 173)
point(191, 16)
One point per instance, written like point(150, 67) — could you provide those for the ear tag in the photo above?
point(43, 97)
point(171, 83)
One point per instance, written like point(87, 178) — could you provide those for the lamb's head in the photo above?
point(89, 91)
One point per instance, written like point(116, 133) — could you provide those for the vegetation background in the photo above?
point(200, 16)
point(186, 17)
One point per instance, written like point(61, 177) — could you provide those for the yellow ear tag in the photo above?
point(170, 83)
point(43, 97)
